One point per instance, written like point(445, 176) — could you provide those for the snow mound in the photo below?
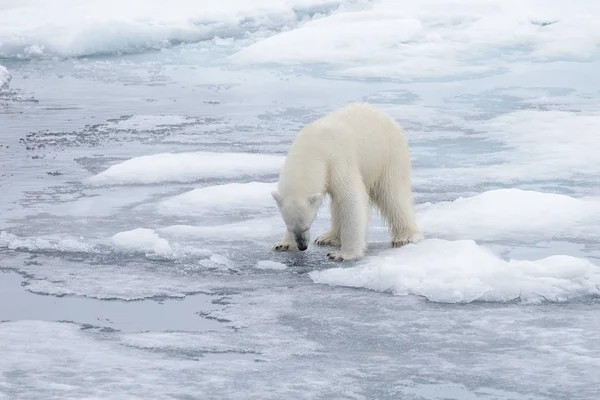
point(217, 261)
point(462, 272)
point(37, 28)
point(147, 241)
point(434, 38)
point(4, 77)
point(187, 167)
point(506, 213)
point(246, 197)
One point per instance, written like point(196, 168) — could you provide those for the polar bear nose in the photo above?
point(301, 241)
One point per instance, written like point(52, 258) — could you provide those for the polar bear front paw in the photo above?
point(285, 246)
point(327, 239)
point(343, 255)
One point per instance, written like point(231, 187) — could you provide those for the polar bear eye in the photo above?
point(300, 231)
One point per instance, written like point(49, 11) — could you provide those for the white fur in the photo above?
point(359, 156)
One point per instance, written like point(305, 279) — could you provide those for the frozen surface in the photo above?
point(34, 28)
point(139, 143)
point(512, 213)
point(4, 77)
point(252, 229)
point(232, 197)
point(538, 146)
point(462, 272)
point(267, 264)
point(148, 242)
point(131, 316)
point(14, 242)
point(435, 38)
point(187, 167)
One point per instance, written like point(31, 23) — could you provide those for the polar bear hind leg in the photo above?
point(393, 198)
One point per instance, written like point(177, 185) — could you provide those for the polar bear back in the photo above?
point(357, 136)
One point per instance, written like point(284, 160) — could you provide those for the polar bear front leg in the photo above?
point(288, 243)
point(353, 214)
point(332, 237)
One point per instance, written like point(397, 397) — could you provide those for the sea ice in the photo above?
point(149, 242)
point(67, 245)
point(4, 77)
point(141, 239)
point(36, 28)
point(187, 167)
point(149, 122)
point(462, 272)
point(268, 264)
point(522, 146)
point(546, 144)
point(252, 229)
point(434, 38)
point(508, 213)
point(249, 197)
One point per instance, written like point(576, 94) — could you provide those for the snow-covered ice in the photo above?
point(512, 213)
point(228, 198)
point(252, 229)
point(34, 28)
point(187, 167)
point(434, 38)
point(541, 144)
point(139, 144)
point(141, 239)
point(4, 77)
point(462, 272)
point(268, 264)
point(147, 241)
point(13, 242)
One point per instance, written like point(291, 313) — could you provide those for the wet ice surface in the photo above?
point(137, 222)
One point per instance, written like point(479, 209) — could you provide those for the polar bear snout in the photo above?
point(302, 246)
point(302, 240)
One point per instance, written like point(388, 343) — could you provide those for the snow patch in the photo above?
point(187, 167)
point(241, 197)
point(147, 241)
point(506, 213)
point(545, 145)
point(522, 146)
point(4, 77)
point(37, 28)
point(434, 38)
point(462, 272)
point(217, 261)
point(268, 264)
point(13, 242)
point(253, 229)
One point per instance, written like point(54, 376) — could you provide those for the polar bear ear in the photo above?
point(276, 196)
point(316, 199)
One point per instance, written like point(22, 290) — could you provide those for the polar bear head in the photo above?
point(298, 215)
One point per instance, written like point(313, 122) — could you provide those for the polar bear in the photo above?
point(358, 155)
